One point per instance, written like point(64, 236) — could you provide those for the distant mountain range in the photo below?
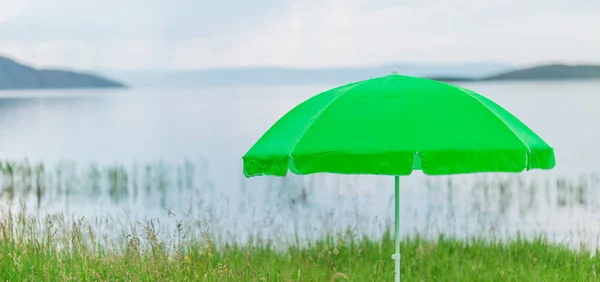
point(14, 75)
point(540, 73)
point(286, 76)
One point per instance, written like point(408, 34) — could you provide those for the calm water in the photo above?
point(132, 154)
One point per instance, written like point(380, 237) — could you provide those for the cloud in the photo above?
point(10, 9)
point(324, 33)
point(192, 34)
point(142, 19)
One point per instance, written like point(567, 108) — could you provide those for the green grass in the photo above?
point(61, 251)
point(55, 249)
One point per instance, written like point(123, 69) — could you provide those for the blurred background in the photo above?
point(136, 110)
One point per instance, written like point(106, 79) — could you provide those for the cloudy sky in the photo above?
point(184, 34)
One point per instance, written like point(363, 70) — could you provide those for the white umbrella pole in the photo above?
point(396, 256)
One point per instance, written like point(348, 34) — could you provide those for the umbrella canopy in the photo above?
point(393, 125)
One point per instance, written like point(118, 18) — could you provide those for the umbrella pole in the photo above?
point(396, 256)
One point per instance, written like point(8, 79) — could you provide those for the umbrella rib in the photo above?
point(316, 116)
point(412, 123)
point(500, 119)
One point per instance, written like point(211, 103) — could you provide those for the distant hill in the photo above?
point(290, 76)
point(298, 76)
point(550, 72)
point(544, 72)
point(14, 75)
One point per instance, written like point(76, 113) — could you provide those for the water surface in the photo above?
point(132, 154)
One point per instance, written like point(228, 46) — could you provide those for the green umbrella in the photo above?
point(393, 125)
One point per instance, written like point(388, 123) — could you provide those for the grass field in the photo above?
point(71, 252)
point(39, 248)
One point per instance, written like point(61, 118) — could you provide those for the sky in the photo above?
point(191, 34)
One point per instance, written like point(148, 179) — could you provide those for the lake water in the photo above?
point(133, 154)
